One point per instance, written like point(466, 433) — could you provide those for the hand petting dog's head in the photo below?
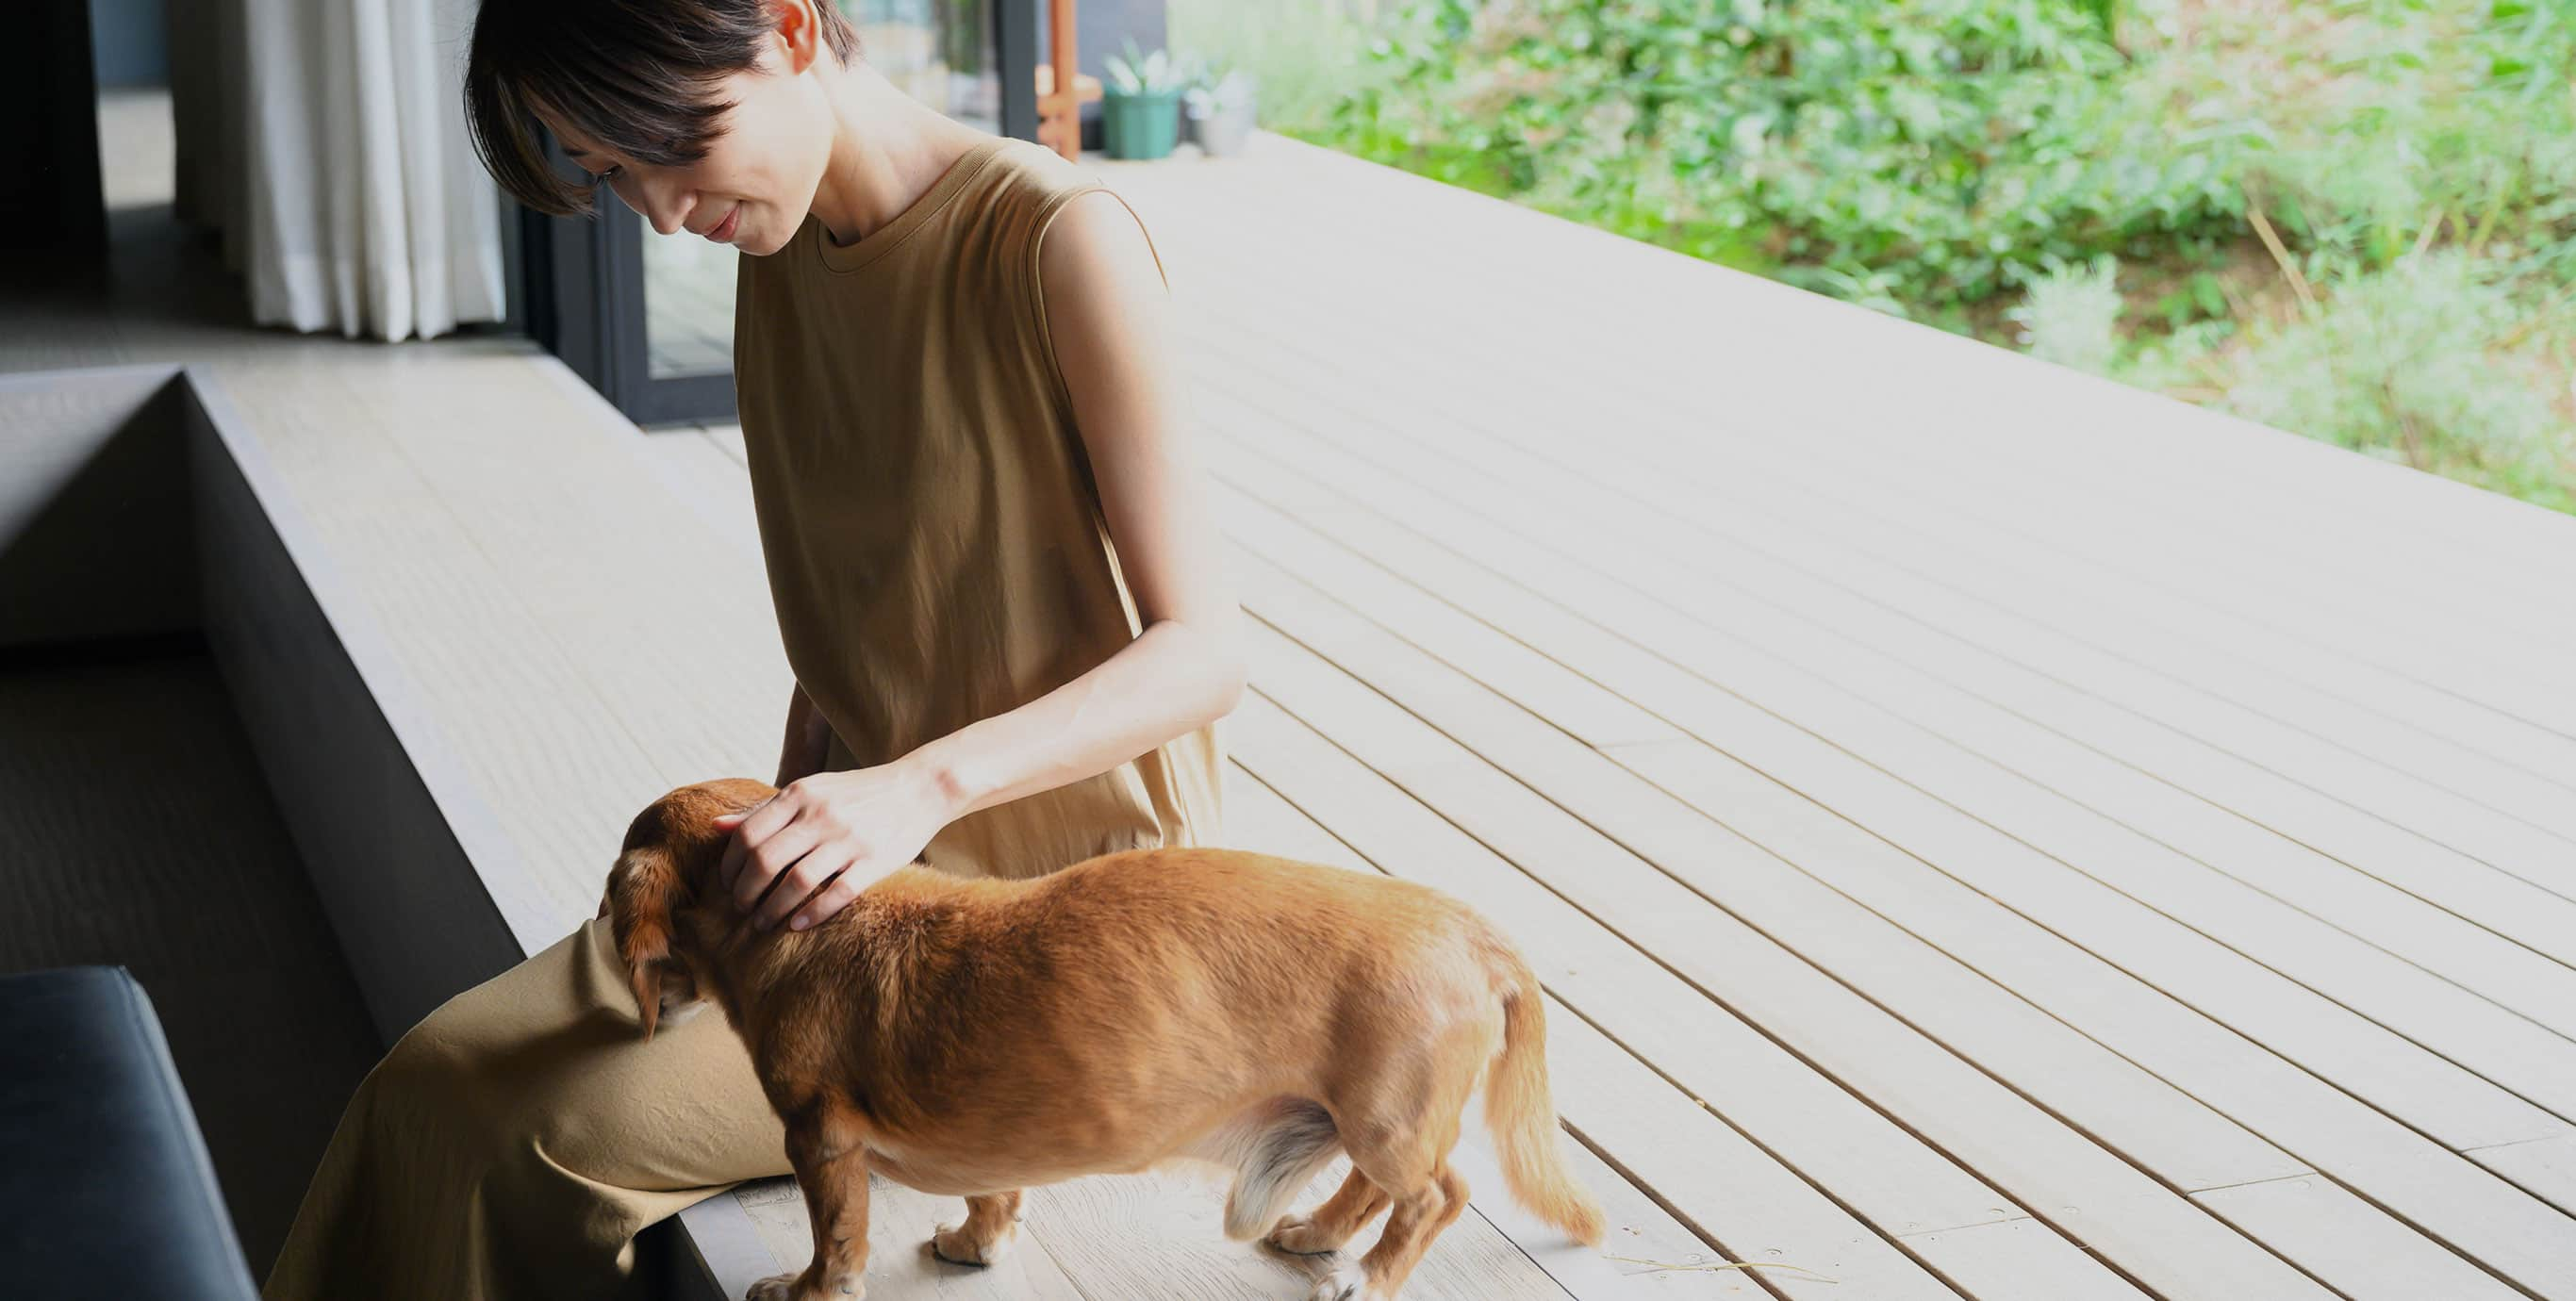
point(671, 849)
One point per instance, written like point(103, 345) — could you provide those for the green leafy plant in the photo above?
point(2071, 315)
point(2435, 361)
point(1946, 150)
point(1214, 84)
point(1305, 56)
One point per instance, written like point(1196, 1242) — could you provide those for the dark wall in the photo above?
point(130, 42)
point(49, 188)
point(1101, 28)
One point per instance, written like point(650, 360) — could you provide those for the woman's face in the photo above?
point(757, 181)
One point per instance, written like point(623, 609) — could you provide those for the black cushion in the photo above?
point(106, 1190)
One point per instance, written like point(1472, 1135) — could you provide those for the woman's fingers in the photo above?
point(830, 899)
point(772, 859)
point(729, 860)
point(809, 879)
point(754, 826)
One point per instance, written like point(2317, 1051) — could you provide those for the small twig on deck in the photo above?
point(2546, 314)
point(2272, 242)
point(2408, 440)
point(2486, 223)
point(2425, 239)
point(1725, 1264)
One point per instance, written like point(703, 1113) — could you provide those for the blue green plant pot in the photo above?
point(1140, 126)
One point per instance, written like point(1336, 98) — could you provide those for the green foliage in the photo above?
point(2071, 316)
point(1304, 55)
point(2435, 361)
point(1916, 156)
point(2392, 122)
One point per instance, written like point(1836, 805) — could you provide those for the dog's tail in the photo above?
point(639, 901)
point(1521, 1114)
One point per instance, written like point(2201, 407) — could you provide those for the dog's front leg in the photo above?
point(831, 1162)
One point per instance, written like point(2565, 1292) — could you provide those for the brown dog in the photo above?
point(978, 1037)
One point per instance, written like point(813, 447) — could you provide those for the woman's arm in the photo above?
point(1106, 312)
point(1167, 682)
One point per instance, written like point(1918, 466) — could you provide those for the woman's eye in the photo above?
point(602, 177)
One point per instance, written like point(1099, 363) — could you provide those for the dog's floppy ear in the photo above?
point(642, 889)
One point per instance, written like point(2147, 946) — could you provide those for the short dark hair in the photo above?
point(634, 75)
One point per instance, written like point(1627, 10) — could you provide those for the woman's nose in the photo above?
point(661, 206)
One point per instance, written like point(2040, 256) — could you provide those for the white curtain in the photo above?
point(326, 140)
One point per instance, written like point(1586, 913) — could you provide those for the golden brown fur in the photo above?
point(978, 1036)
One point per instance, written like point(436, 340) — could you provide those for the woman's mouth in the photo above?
point(723, 232)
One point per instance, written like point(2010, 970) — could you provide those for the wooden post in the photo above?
point(1061, 86)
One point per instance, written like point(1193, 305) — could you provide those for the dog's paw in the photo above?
point(784, 1287)
point(1347, 1282)
point(952, 1244)
point(1298, 1234)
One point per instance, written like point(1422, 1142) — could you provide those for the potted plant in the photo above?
point(1140, 103)
point(1220, 105)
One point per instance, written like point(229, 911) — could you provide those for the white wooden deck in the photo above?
point(1988, 833)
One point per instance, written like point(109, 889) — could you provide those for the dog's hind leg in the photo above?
point(1333, 1222)
point(1292, 1147)
point(1400, 1127)
point(1416, 1218)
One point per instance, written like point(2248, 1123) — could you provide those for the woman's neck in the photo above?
point(888, 149)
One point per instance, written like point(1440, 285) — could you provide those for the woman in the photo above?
point(949, 421)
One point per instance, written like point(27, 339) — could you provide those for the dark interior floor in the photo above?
point(140, 831)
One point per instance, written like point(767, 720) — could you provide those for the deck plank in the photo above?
point(2086, 1192)
point(1656, 1254)
point(2317, 1219)
point(2271, 771)
point(2256, 878)
point(1624, 1097)
point(1838, 709)
point(2397, 1166)
point(2127, 1110)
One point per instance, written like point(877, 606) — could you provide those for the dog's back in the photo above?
point(1401, 956)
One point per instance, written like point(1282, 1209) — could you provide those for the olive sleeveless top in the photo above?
point(934, 539)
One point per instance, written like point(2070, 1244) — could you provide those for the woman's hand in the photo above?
point(825, 837)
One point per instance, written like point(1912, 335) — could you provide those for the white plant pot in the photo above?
point(1223, 132)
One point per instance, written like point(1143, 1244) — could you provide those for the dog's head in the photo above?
point(664, 868)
